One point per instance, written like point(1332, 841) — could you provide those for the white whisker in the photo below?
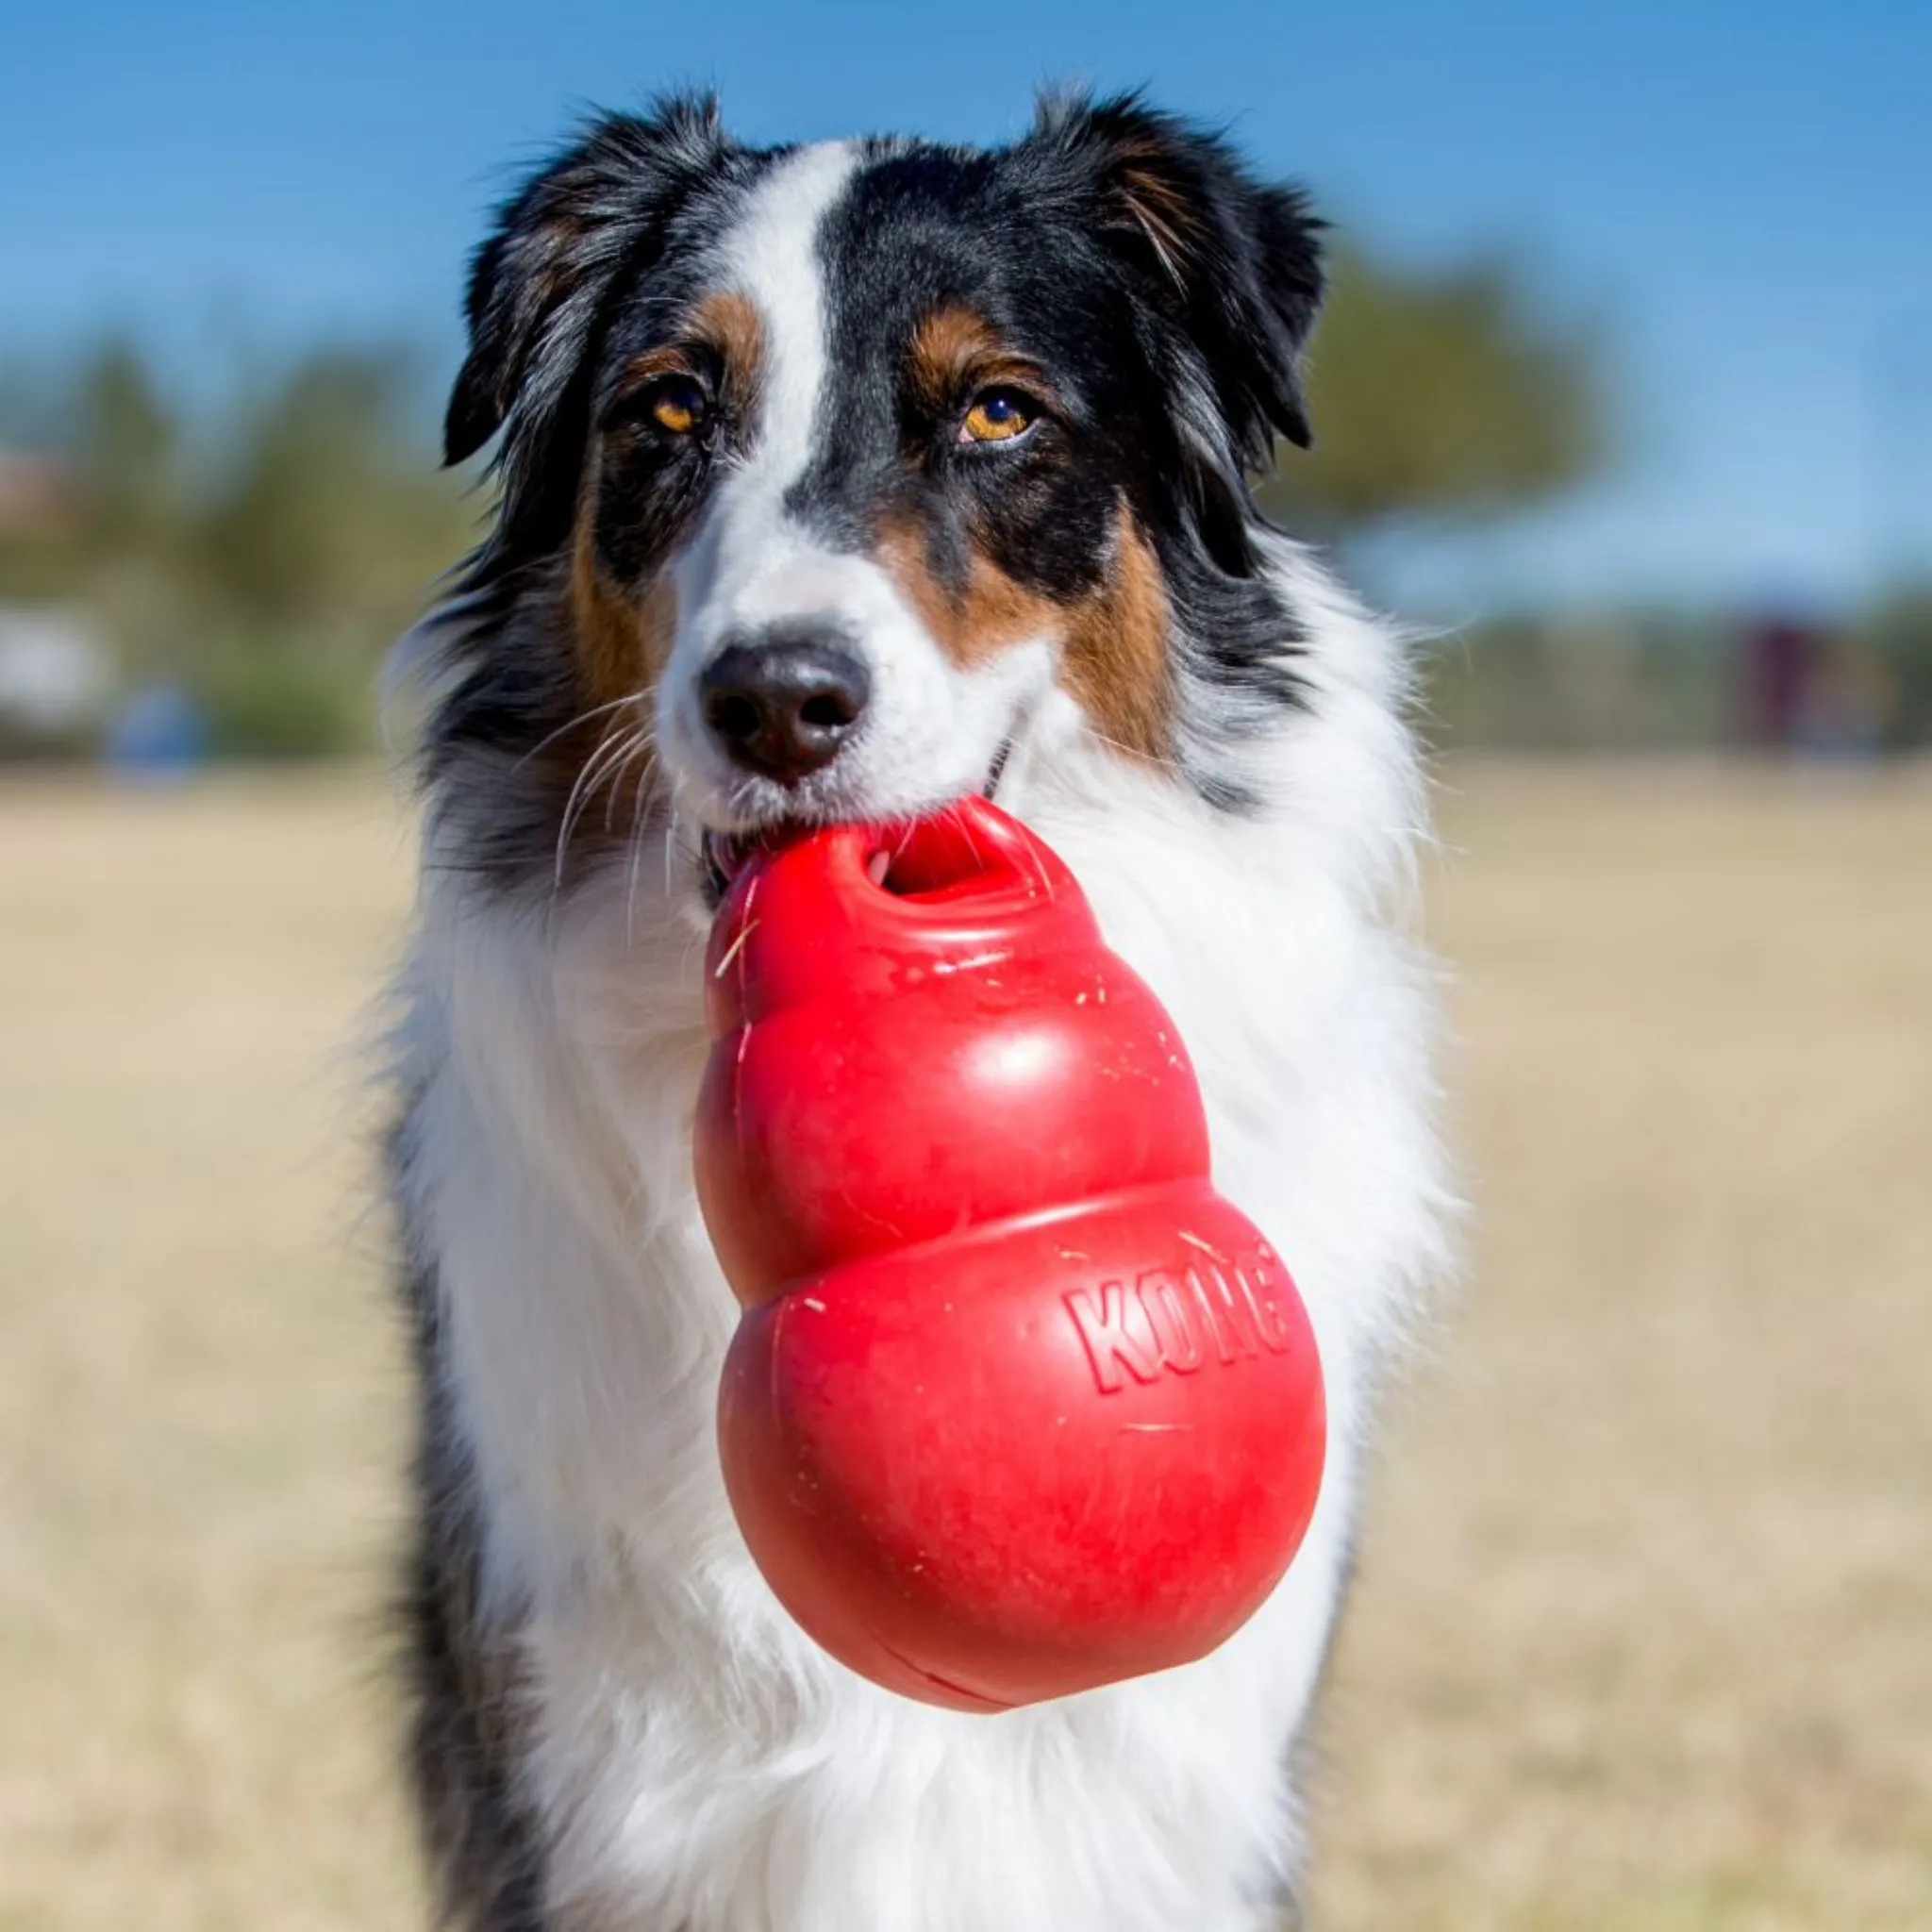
point(550, 738)
point(611, 755)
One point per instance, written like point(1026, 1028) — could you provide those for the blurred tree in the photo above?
point(1436, 394)
point(127, 448)
point(329, 508)
point(1899, 632)
point(263, 548)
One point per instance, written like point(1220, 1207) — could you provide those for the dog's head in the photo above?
point(828, 473)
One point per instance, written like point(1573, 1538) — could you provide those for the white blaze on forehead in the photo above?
point(771, 257)
point(930, 731)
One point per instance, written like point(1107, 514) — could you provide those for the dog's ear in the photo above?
point(1235, 260)
point(591, 218)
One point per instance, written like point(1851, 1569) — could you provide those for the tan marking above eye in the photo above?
point(728, 324)
point(998, 415)
point(950, 345)
point(961, 371)
point(710, 371)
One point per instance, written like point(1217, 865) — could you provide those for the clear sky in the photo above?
point(1742, 193)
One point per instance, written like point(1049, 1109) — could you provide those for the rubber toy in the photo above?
point(1018, 1404)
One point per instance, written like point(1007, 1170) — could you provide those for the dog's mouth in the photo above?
point(722, 856)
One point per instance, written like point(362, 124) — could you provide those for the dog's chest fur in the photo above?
point(678, 1753)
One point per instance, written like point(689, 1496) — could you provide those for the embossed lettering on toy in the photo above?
point(1175, 1321)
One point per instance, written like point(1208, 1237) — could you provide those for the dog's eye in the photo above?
point(678, 404)
point(998, 415)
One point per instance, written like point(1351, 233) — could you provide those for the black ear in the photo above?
point(590, 218)
point(1236, 261)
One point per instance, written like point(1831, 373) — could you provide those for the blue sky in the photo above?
point(1741, 193)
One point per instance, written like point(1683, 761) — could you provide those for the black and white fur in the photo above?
point(615, 1725)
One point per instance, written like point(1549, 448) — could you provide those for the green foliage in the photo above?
point(1440, 396)
point(1899, 634)
point(261, 548)
point(282, 699)
point(327, 510)
point(1584, 682)
point(128, 449)
point(1648, 681)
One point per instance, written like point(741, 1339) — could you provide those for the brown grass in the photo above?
point(1644, 1635)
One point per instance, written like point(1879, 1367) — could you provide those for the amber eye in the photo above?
point(998, 415)
point(678, 405)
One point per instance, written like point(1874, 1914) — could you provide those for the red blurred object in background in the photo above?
point(1019, 1404)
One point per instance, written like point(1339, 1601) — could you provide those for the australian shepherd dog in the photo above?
point(837, 482)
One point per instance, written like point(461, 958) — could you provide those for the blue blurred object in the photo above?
point(160, 736)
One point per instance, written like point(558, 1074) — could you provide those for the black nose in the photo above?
point(782, 705)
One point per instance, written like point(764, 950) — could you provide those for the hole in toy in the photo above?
point(940, 858)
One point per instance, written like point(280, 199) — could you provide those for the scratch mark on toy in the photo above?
point(967, 964)
point(736, 947)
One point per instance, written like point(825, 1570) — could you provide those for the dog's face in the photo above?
point(834, 471)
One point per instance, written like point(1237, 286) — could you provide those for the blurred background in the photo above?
point(1623, 400)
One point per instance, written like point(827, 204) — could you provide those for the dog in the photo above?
point(838, 482)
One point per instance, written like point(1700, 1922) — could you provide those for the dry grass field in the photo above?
point(1644, 1632)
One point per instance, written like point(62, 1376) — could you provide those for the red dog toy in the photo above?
point(1019, 1404)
